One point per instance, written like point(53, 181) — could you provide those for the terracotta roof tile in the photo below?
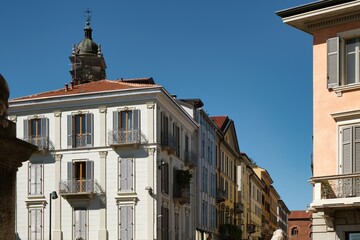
point(300, 215)
point(91, 87)
point(219, 120)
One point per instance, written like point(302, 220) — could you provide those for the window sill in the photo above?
point(345, 88)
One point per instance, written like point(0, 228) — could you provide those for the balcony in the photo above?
point(122, 137)
point(168, 143)
point(77, 188)
point(336, 192)
point(43, 143)
point(190, 158)
point(239, 208)
point(251, 228)
point(182, 195)
point(220, 195)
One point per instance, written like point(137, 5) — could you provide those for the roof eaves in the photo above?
point(310, 7)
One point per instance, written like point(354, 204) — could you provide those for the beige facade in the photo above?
point(335, 27)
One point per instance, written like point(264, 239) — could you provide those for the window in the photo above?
point(35, 216)
point(36, 131)
point(343, 65)
point(80, 176)
point(164, 223)
point(350, 149)
point(176, 132)
point(126, 175)
point(35, 179)
point(353, 236)
point(126, 126)
point(80, 130)
point(164, 130)
point(165, 178)
point(294, 231)
point(80, 226)
point(126, 222)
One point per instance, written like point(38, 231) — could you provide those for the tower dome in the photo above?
point(87, 46)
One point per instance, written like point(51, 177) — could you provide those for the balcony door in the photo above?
point(80, 174)
point(127, 126)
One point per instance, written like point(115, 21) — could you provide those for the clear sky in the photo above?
point(235, 55)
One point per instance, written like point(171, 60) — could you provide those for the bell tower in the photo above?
point(88, 63)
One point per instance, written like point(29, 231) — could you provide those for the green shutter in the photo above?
point(333, 65)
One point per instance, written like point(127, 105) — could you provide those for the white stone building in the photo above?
point(117, 153)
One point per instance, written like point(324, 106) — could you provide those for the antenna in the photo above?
point(87, 15)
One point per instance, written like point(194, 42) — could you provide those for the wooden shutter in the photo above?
point(70, 132)
point(333, 66)
point(356, 162)
point(89, 119)
point(26, 129)
point(126, 222)
point(346, 150)
point(136, 119)
point(115, 121)
point(80, 223)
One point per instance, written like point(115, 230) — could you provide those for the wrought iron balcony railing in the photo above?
point(43, 143)
point(338, 186)
point(220, 195)
point(123, 137)
point(80, 188)
point(168, 141)
point(190, 158)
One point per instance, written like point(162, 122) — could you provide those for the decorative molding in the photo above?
point(13, 118)
point(103, 154)
point(346, 115)
point(333, 21)
point(102, 109)
point(122, 198)
point(39, 201)
point(58, 157)
point(57, 114)
point(150, 105)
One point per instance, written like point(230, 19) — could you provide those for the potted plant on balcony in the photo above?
point(183, 178)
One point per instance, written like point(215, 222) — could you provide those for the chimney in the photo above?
point(72, 85)
point(66, 87)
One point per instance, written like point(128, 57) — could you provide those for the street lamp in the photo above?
point(53, 195)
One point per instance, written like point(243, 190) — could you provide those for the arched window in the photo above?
point(294, 231)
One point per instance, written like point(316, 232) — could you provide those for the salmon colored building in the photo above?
point(335, 27)
point(300, 225)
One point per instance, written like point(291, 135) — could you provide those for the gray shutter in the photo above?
point(115, 121)
point(70, 170)
point(356, 167)
point(126, 222)
point(130, 174)
point(70, 133)
point(89, 119)
point(346, 150)
point(90, 175)
point(123, 175)
point(26, 129)
point(44, 127)
point(333, 65)
point(136, 119)
point(129, 222)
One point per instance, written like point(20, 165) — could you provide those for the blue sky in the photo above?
point(237, 56)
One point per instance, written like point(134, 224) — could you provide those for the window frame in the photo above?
point(88, 133)
point(38, 181)
point(126, 178)
point(39, 229)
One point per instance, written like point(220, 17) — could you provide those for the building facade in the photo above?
point(335, 27)
point(116, 154)
point(300, 225)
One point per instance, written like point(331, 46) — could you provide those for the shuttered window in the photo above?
point(80, 130)
point(126, 175)
point(80, 176)
point(126, 222)
point(350, 146)
point(165, 178)
point(35, 224)
point(80, 226)
point(35, 179)
point(333, 62)
point(36, 131)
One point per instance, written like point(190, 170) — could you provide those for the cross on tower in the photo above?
point(87, 15)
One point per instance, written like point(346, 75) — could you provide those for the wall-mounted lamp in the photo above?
point(150, 190)
point(160, 164)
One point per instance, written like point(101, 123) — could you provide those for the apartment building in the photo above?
point(229, 206)
point(113, 158)
point(205, 173)
point(335, 27)
point(300, 225)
